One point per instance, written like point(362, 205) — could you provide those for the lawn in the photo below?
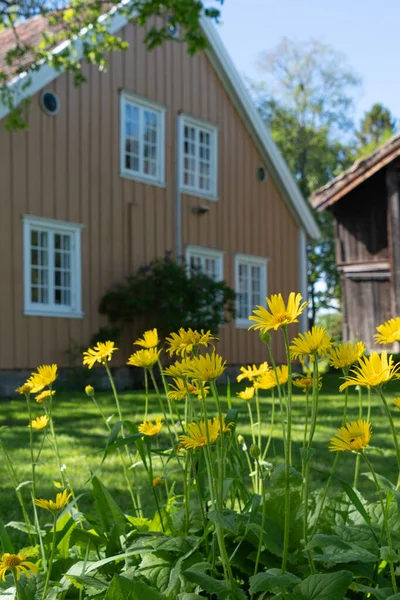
point(82, 437)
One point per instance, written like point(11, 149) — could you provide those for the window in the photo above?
point(142, 139)
point(199, 157)
point(250, 286)
point(206, 260)
point(52, 268)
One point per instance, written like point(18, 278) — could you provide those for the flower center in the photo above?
point(12, 561)
point(282, 317)
point(202, 440)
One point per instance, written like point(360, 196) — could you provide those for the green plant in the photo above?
point(167, 294)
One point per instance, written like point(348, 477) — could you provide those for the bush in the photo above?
point(169, 295)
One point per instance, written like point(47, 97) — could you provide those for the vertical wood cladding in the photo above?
point(67, 167)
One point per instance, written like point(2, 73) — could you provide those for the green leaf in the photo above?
point(156, 567)
point(356, 501)
point(270, 580)
point(127, 589)
point(329, 586)
point(389, 556)
point(336, 550)
point(278, 477)
point(226, 518)
point(378, 593)
point(6, 543)
point(107, 509)
point(207, 583)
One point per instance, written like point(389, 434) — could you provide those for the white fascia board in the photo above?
point(45, 74)
point(275, 163)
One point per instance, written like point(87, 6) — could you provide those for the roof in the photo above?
point(360, 171)
point(230, 78)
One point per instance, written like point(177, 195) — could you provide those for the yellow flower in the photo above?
point(279, 314)
point(46, 375)
point(267, 381)
point(181, 389)
point(247, 394)
point(150, 339)
point(388, 332)
point(252, 371)
point(373, 371)
point(150, 428)
point(185, 341)
point(39, 422)
point(206, 367)
point(101, 353)
point(16, 563)
point(44, 395)
point(54, 507)
point(355, 436)
point(146, 359)
point(89, 390)
point(178, 369)
point(396, 402)
point(344, 355)
point(197, 434)
point(312, 343)
point(226, 427)
point(24, 389)
point(157, 481)
point(306, 383)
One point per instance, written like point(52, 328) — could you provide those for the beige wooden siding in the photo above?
point(67, 167)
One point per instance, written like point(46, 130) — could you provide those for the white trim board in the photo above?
point(234, 86)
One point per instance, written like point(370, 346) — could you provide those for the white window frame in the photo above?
point(203, 252)
point(199, 124)
point(257, 261)
point(51, 309)
point(143, 104)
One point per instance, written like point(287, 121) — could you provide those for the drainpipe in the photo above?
point(303, 287)
point(178, 195)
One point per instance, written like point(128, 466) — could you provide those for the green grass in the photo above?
point(82, 437)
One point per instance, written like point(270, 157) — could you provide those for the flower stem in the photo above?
point(393, 428)
point(288, 453)
point(54, 438)
point(358, 457)
point(253, 435)
point(17, 591)
point(51, 559)
point(263, 518)
point(33, 462)
point(272, 426)
point(272, 359)
point(258, 418)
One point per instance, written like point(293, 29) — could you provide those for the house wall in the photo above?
point(67, 167)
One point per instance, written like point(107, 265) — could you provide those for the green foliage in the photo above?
point(376, 128)
point(168, 295)
point(87, 24)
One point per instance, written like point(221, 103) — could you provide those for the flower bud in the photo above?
point(157, 481)
point(265, 337)
point(89, 391)
point(255, 451)
point(240, 439)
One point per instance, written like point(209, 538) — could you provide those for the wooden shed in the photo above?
point(365, 203)
point(164, 151)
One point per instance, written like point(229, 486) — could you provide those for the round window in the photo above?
point(261, 174)
point(172, 26)
point(49, 103)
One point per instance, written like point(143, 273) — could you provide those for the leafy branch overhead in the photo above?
point(82, 28)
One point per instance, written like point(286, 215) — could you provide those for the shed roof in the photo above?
point(31, 31)
point(361, 170)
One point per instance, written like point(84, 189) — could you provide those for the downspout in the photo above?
point(178, 194)
point(303, 284)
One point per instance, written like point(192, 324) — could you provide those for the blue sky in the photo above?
point(367, 32)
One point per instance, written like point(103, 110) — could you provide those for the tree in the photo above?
point(86, 22)
point(306, 100)
point(377, 126)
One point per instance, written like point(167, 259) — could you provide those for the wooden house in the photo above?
point(365, 203)
point(164, 151)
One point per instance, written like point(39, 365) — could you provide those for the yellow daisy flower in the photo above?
point(180, 389)
point(312, 343)
point(252, 371)
point(185, 341)
point(18, 564)
point(372, 371)
point(388, 332)
point(24, 389)
point(54, 507)
point(44, 395)
point(149, 340)
point(206, 367)
point(354, 436)
point(197, 434)
point(46, 375)
point(306, 383)
point(267, 381)
point(396, 402)
point(146, 359)
point(344, 355)
point(150, 428)
point(101, 353)
point(179, 369)
point(246, 394)
point(39, 422)
point(226, 427)
point(279, 314)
